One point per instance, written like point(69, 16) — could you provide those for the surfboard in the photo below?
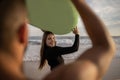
point(58, 16)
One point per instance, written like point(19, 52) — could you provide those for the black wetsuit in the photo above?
point(53, 54)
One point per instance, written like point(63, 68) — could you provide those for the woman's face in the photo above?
point(50, 41)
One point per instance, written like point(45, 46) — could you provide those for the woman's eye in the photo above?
point(49, 38)
point(53, 37)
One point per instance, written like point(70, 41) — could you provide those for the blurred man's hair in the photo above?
point(12, 13)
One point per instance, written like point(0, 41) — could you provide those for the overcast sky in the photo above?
point(107, 10)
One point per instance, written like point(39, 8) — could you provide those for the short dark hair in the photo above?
point(6, 9)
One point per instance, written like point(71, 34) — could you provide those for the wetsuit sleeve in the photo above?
point(73, 48)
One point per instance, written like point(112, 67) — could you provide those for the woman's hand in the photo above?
point(75, 30)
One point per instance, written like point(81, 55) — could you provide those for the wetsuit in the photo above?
point(53, 54)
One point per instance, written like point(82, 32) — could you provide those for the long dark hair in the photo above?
point(43, 47)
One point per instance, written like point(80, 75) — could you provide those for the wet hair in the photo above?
point(43, 47)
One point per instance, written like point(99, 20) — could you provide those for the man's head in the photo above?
point(13, 25)
point(13, 38)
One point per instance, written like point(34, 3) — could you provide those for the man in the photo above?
point(94, 62)
point(13, 38)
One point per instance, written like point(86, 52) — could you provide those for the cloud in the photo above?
point(114, 31)
point(114, 23)
point(108, 11)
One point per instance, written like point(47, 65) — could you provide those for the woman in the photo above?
point(52, 53)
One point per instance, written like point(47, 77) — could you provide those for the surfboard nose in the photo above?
point(58, 16)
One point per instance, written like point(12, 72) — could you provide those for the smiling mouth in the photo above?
point(52, 44)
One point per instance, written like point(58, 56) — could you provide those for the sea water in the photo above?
point(33, 49)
